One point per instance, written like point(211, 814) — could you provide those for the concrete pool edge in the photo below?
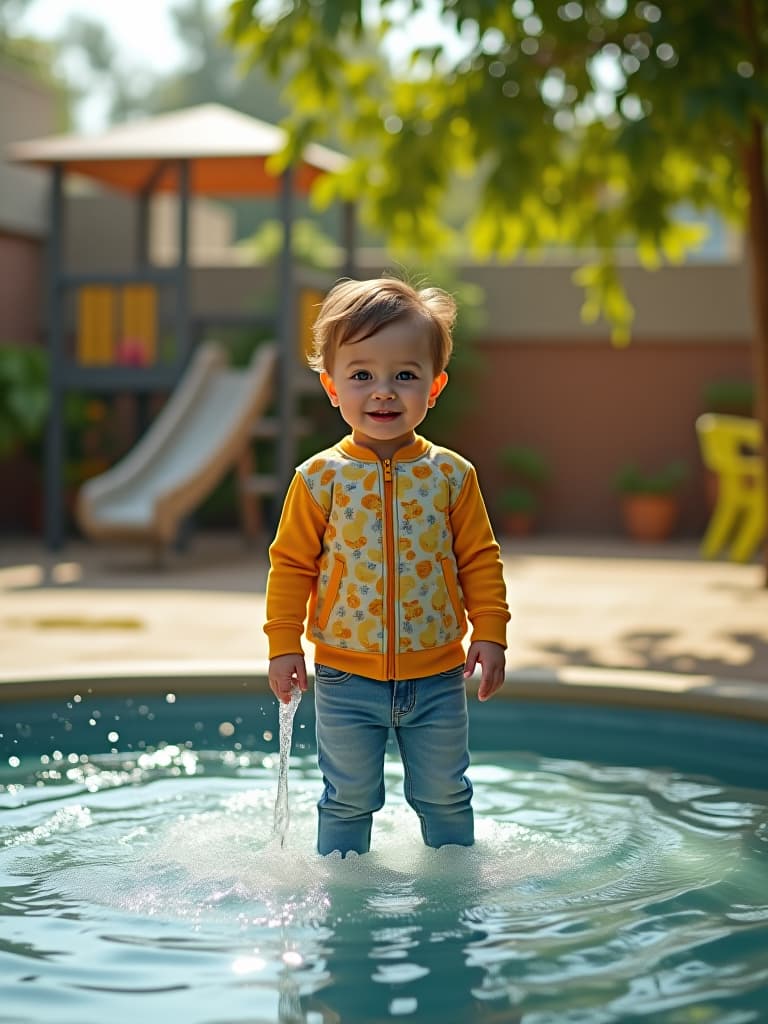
point(732, 698)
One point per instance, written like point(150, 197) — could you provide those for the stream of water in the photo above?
point(286, 714)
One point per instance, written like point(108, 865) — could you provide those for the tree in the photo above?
point(208, 73)
point(585, 123)
point(106, 75)
point(32, 57)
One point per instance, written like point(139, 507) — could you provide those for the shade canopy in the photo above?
point(227, 153)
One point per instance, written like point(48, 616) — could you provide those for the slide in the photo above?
point(198, 435)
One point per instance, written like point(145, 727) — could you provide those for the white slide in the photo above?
point(199, 434)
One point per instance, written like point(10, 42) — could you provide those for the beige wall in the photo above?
point(27, 110)
point(101, 231)
point(694, 302)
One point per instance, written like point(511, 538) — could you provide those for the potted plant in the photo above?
point(650, 501)
point(525, 472)
point(23, 396)
point(23, 412)
point(732, 396)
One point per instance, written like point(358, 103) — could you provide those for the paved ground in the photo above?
point(590, 603)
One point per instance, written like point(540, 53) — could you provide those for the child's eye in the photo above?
point(360, 375)
point(406, 375)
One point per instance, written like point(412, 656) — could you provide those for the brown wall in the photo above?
point(21, 289)
point(590, 408)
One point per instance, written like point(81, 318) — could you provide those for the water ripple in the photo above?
point(592, 894)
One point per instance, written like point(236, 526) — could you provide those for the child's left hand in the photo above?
point(492, 661)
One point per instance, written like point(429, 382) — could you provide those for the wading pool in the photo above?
point(620, 871)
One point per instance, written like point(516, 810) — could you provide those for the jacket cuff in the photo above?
point(284, 640)
point(490, 627)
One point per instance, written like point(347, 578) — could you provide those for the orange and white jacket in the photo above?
point(391, 556)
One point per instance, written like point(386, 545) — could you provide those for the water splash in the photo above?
point(593, 893)
point(282, 810)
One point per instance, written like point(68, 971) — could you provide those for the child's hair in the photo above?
point(354, 310)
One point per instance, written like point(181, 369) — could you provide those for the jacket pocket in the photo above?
point(326, 674)
point(452, 586)
point(332, 592)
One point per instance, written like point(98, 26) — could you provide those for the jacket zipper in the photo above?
point(389, 537)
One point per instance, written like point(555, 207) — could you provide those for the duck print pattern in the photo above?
point(363, 571)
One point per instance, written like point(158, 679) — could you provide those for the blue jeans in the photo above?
point(429, 719)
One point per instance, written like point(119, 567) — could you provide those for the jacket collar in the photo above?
point(418, 447)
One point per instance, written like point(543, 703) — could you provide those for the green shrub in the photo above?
point(24, 396)
point(632, 480)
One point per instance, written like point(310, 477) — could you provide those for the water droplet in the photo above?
point(402, 1006)
point(248, 964)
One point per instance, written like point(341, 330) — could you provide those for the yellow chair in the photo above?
point(730, 448)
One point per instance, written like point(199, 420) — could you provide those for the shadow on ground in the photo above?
point(649, 651)
point(226, 562)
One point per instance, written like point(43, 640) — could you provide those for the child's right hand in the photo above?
point(285, 672)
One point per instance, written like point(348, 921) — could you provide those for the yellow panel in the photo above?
point(138, 323)
point(310, 300)
point(95, 325)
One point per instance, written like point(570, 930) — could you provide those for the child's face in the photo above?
point(384, 385)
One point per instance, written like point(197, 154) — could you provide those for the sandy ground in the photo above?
point(603, 603)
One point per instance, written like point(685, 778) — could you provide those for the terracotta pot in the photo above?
point(650, 517)
point(517, 524)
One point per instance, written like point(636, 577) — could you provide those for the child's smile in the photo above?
point(384, 415)
point(384, 384)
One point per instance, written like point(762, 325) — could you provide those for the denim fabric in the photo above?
point(429, 719)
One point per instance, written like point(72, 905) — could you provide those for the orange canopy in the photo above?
point(227, 150)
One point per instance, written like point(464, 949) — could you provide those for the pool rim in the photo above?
point(662, 691)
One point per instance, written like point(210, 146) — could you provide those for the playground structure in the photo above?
point(132, 332)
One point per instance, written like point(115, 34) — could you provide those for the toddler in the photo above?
point(384, 549)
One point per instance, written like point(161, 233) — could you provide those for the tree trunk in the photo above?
point(754, 165)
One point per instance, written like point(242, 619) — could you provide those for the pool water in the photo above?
point(146, 883)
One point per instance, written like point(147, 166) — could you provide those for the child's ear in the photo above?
point(437, 386)
point(327, 381)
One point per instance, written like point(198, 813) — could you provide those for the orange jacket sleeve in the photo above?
point(481, 572)
point(294, 555)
